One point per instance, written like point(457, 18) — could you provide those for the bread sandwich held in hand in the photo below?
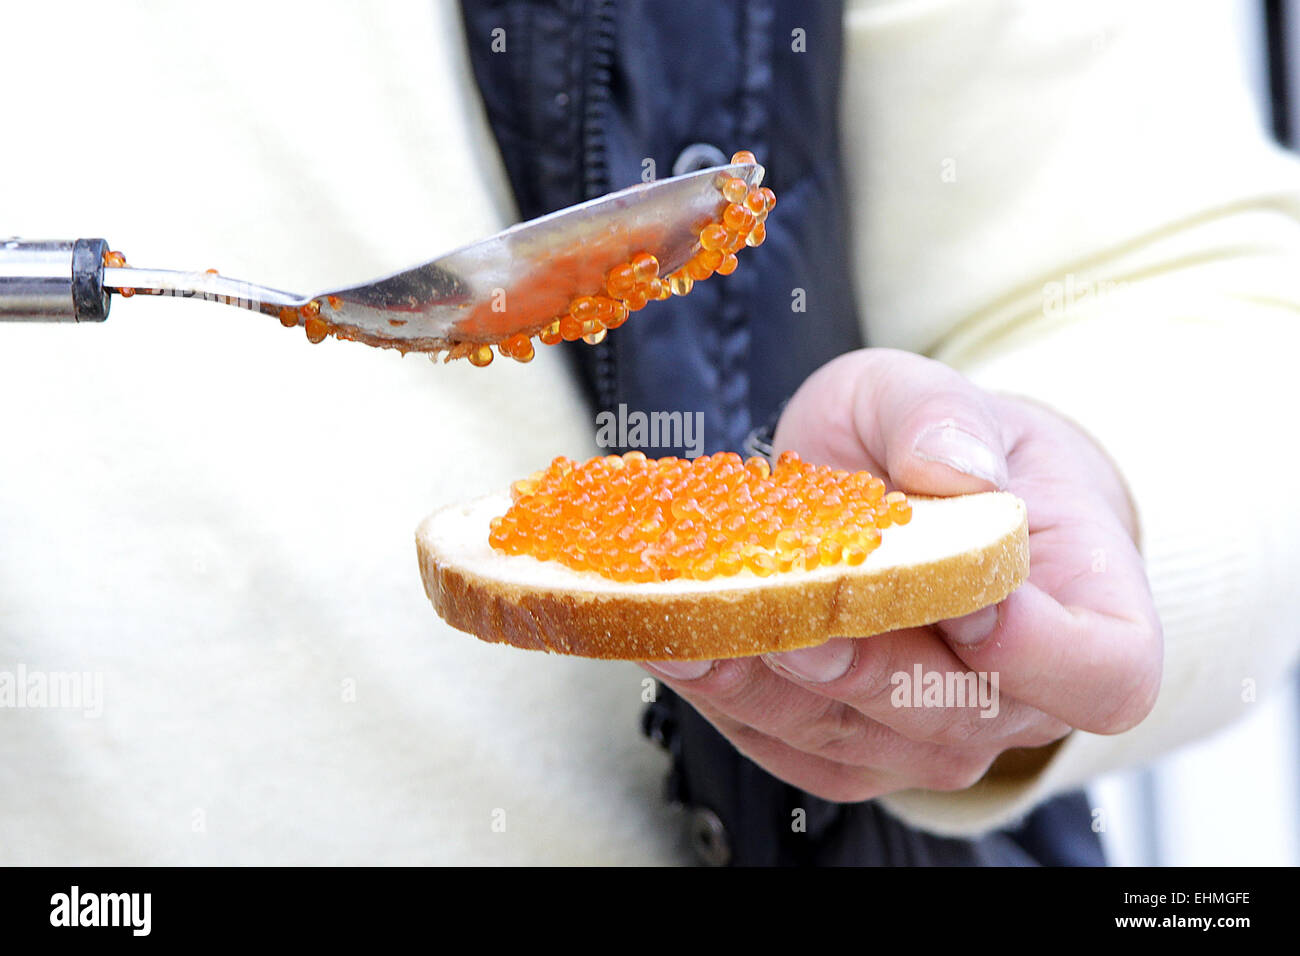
point(626, 557)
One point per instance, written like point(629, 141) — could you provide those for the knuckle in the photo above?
point(744, 737)
point(838, 783)
point(1132, 709)
point(725, 684)
point(872, 676)
point(957, 772)
point(836, 733)
point(848, 786)
point(1040, 734)
point(960, 730)
point(1135, 691)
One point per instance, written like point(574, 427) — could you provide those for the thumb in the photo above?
point(926, 427)
point(934, 430)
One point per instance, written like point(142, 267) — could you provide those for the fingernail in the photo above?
point(817, 665)
point(946, 444)
point(971, 628)
point(680, 670)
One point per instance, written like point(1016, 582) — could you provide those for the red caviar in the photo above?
point(316, 329)
point(629, 286)
point(635, 519)
point(116, 260)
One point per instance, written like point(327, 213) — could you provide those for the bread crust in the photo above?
point(787, 612)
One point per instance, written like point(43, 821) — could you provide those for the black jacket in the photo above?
point(583, 94)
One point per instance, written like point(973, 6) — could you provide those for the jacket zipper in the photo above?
point(600, 32)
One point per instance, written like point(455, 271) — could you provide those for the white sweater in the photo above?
point(1085, 209)
point(216, 518)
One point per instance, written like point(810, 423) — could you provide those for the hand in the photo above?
point(1079, 645)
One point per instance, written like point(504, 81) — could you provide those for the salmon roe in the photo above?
point(636, 519)
point(631, 285)
point(116, 260)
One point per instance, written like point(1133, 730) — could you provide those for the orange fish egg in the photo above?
point(635, 519)
point(627, 287)
point(316, 328)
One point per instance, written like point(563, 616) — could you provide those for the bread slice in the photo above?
point(955, 556)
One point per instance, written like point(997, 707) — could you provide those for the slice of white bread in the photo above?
point(955, 556)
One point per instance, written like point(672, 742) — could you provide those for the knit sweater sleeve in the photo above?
point(1188, 389)
point(1121, 246)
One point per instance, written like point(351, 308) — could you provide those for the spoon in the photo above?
point(515, 281)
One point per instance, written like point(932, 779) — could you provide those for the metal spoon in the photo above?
point(515, 281)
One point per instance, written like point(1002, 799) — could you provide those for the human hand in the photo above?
point(1079, 645)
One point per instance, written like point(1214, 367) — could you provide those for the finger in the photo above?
point(745, 693)
point(911, 418)
point(818, 422)
point(1086, 664)
point(816, 774)
point(831, 779)
point(911, 682)
point(1081, 639)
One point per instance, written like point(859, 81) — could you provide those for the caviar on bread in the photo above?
point(632, 518)
point(643, 559)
